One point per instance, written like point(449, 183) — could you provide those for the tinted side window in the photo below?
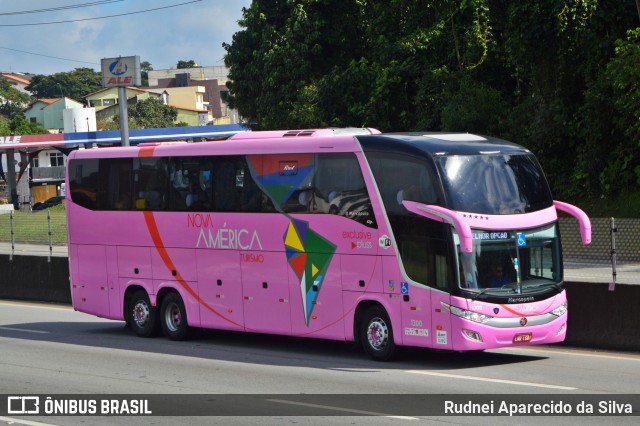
point(404, 177)
point(83, 182)
point(150, 183)
point(423, 244)
point(230, 185)
point(217, 184)
point(115, 186)
point(190, 184)
point(315, 183)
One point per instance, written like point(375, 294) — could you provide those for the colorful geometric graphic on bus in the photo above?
point(280, 175)
point(309, 255)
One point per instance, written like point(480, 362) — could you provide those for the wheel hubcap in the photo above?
point(377, 334)
point(141, 313)
point(173, 317)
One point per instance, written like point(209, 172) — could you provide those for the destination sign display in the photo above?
point(492, 236)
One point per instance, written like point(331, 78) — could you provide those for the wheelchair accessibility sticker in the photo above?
point(521, 240)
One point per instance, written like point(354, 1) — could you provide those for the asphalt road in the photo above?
point(52, 350)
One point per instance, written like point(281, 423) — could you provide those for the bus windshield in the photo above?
point(494, 184)
point(508, 262)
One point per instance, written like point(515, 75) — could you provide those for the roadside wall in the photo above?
point(33, 278)
point(598, 318)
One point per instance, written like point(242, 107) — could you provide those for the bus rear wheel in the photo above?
point(173, 317)
point(142, 316)
point(376, 334)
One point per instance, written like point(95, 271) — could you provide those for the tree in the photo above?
point(4, 127)
point(75, 84)
point(300, 63)
point(150, 113)
point(145, 67)
point(21, 126)
point(186, 64)
point(277, 61)
point(532, 72)
point(12, 101)
point(622, 79)
point(473, 107)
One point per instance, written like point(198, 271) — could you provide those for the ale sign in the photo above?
point(122, 71)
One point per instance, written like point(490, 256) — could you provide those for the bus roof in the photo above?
point(438, 144)
point(243, 146)
point(320, 140)
point(270, 134)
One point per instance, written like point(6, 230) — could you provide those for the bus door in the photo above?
point(425, 261)
point(410, 301)
point(220, 285)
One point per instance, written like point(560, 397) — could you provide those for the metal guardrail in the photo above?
point(44, 228)
point(613, 255)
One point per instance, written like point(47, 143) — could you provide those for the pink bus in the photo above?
point(445, 241)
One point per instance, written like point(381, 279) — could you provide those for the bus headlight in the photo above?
point(463, 313)
point(561, 310)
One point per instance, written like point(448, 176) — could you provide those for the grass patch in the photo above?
point(33, 227)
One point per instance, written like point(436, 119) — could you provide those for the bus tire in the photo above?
point(143, 317)
point(173, 317)
point(376, 334)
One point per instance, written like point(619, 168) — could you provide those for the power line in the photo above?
point(100, 17)
point(55, 9)
point(47, 56)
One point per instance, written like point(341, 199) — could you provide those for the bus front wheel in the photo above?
point(142, 316)
point(173, 317)
point(376, 334)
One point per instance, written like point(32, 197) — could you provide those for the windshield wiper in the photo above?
point(480, 293)
point(547, 284)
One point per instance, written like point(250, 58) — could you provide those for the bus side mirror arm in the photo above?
point(583, 219)
point(444, 215)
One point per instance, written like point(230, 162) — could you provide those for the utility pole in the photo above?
point(124, 115)
point(11, 179)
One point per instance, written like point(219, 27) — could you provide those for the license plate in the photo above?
point(522, 337)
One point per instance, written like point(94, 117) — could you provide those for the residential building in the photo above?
point(48, 112)
point(187, 101)
point(20, 81)
point(199, 73)
point(213, 79)
point(46, 174)
point(105, 101)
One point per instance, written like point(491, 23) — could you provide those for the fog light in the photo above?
point(473, 335)
point(562, 328)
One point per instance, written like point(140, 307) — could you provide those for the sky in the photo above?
point(177, 30)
